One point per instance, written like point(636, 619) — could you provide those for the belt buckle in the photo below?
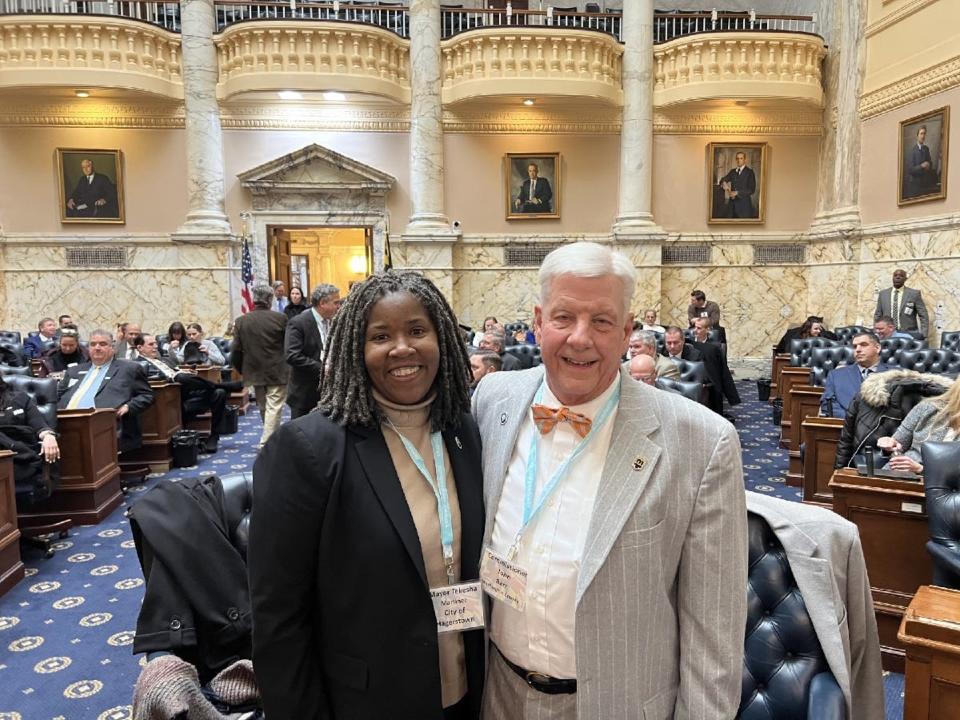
point(534, 678)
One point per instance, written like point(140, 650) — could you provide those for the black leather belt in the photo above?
point(539, 681)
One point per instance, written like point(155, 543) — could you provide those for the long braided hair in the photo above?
point(347, 393)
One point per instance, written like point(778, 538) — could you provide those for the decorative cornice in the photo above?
point(756, 122)
point(901, 13)
point(99, 114)
point(357, 118)
point(930, 81)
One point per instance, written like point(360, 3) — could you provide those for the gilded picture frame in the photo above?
point(540, 202)
point(922, 175)
point(736, 194)
point(90, 185)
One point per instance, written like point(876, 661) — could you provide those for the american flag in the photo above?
point(246, 274)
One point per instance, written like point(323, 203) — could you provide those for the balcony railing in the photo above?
point(395, 17)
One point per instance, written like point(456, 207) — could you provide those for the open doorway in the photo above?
point(307, 256)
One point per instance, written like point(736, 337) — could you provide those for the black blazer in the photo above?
point(301, 349)
point(344, 628)
point(125, 384)
point(718, 371)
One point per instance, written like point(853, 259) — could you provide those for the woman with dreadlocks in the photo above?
point(368, 521)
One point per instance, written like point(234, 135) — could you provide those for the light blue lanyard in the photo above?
point(532, 505)
point(439, 488)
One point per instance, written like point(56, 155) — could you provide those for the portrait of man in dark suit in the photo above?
point(532, 186)
point(923, 157)
point(736, 193)
point(90, 186)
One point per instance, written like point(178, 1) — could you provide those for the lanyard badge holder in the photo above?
point(458, 607)
point(503, 579)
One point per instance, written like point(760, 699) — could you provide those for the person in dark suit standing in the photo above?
point(367, 518)
point(905, 305)
point(257, 353)
point(721, 381)
point(536, 195)
point(108, 382)
point(676, 348)
point(739, 185)
point(921, 176)
point(93, 196)
point(306, 348)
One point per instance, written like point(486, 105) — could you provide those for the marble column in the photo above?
point(205, 187)
point(635, 216)
point(838, 209)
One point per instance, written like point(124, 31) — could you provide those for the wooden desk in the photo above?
point(780, 361)
point(891, 517)
point(804, 402)
point(209, 372)
point(89, 487)
point(158, 423)
point(820, 436)
point(789, 377)
point(11, 567)
point(931, 633)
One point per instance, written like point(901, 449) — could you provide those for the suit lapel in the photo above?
point(377, 464)
point(111, 373)
point(631, 460)
point(504, 422)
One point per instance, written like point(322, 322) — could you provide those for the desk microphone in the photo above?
point(868, 436)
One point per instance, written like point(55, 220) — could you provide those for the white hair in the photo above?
point(587, 260)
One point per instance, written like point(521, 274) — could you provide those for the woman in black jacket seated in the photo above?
point(296, 305)
point(365, 511)
point(884, 400)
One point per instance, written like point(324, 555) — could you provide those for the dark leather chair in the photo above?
point(892, 348)
point(693, 371)
point(223, 344)
point(825, 359)
point(12, 353)
point(525, 354)
point(12, 370)
point(11, 336)
point(950, 340)
point(238, 502)
point(691, 390)
point(845, 333)
point(44, 393)
point(785, 673)
point(941, 486)
point(802, 348)
point(537, 357)
point(931, 360)
point(514, 326)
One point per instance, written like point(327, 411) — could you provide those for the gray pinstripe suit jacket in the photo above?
point(661, 597)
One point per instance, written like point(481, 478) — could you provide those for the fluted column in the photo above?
point(839, 188)
point(205, 187)
point(635, 214)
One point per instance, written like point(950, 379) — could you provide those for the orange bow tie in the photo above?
point(546, 419)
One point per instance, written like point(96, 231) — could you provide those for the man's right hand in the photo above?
point(71, 204)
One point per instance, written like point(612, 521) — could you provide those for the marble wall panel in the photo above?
point(508, 295)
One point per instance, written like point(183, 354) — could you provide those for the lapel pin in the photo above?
point(503, 418)
point(639, 463)
point(457, 441)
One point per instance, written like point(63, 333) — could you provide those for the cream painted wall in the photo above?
point(680, 183)
point(475, 186)
point(880, 168)
point(154, 168)
point(905, 37)
point(246, 149)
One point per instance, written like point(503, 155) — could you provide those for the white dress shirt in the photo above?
point(542, 637)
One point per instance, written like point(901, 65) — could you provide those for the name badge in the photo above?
point(458, 607)
point(908, 310)
point(72, 382)
point(503, 580)
point(18, 411)
point(704, 313)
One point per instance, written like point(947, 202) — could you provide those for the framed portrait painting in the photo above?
point(91, 185)
point(735, 174)
point(923, 157)
point(532, 185)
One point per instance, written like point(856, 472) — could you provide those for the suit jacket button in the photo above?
point(233, 614)
point(175, 624)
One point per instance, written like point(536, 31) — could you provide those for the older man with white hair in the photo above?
point(616, 542)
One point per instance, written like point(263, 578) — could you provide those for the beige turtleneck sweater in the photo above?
point(414, 422)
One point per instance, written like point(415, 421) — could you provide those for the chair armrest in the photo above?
point(826, 701)
point(946, 565)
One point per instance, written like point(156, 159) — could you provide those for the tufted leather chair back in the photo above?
point(11, 336)
point(802, 348)
point(941, 486)
point(224, 346)
point(692, 371)
point(892, 348)
point(783, 662)
point(931, 360)
point(523, 353)
point(691, 390)
point(537, 356)
point(846, 333)
point(825, 359)
point(514, 326)
point(42, 390)
point(713, 336)
point(12, 352)
point(950, 340)
point(13, 370)
point(238, 501)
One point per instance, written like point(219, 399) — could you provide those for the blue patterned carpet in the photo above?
point(66, 630)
